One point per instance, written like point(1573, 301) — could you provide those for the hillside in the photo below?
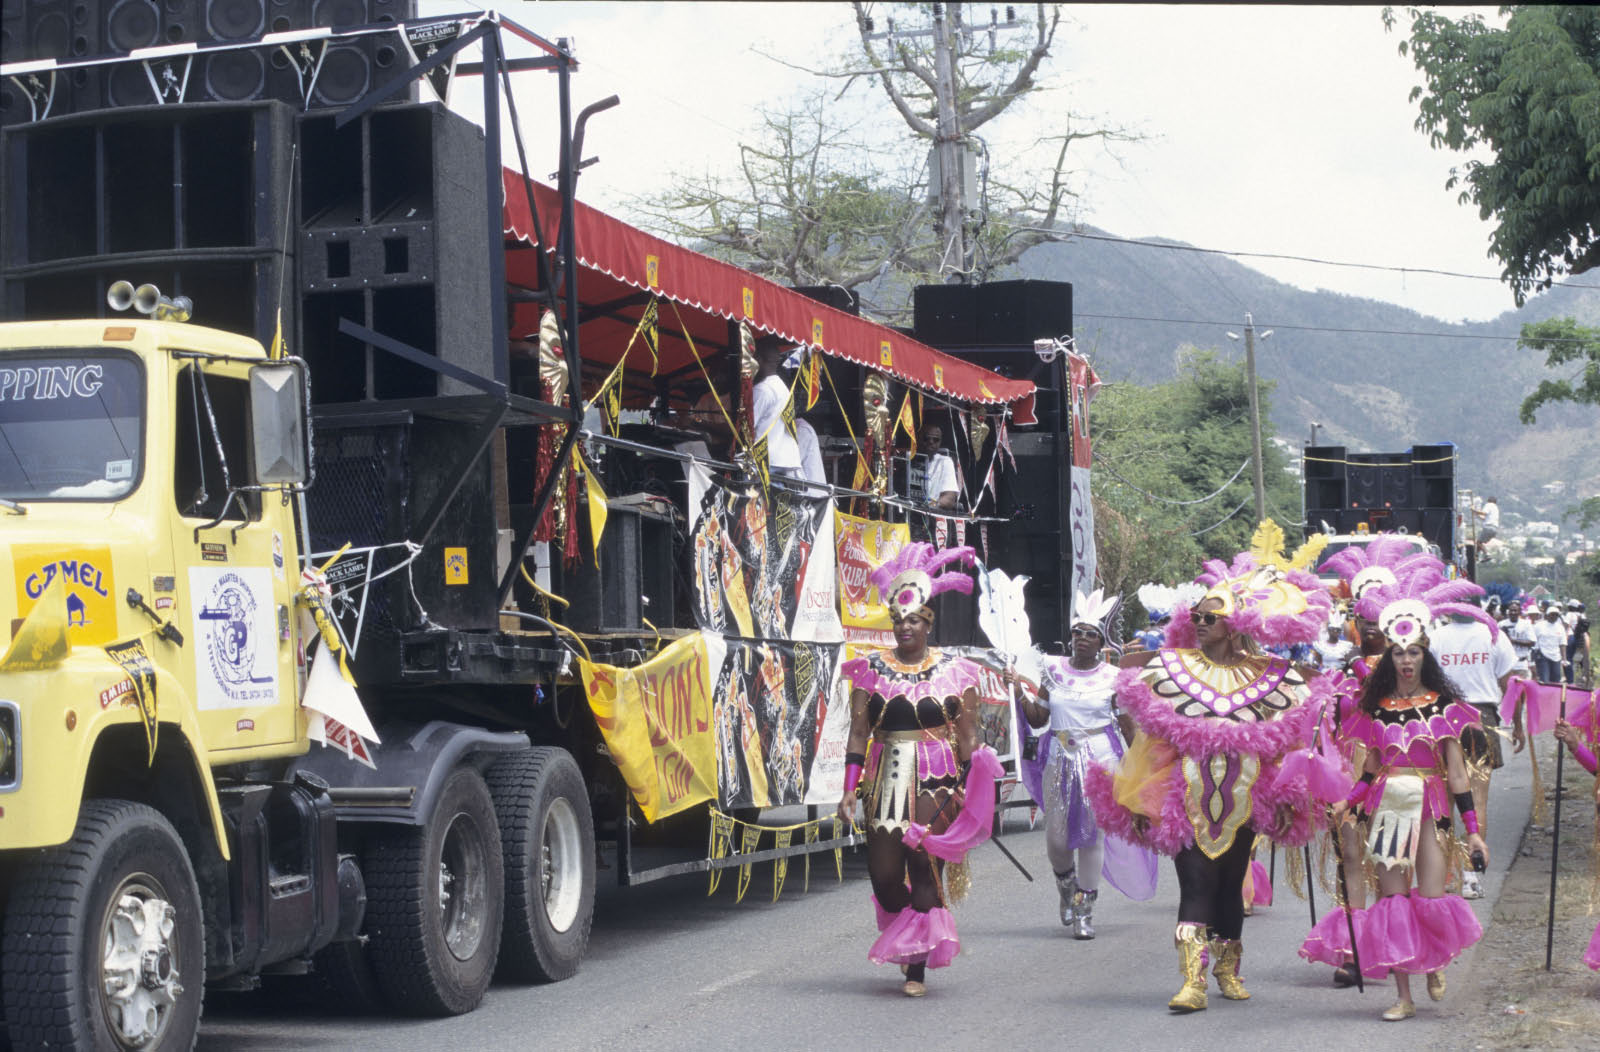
point(1370, 390)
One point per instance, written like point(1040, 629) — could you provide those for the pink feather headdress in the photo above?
point(912, 576)
point(1403, 590)
point(1265, 594)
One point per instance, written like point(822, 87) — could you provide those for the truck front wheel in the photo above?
point(547, 836)
point(103, 943)
point(435, 902)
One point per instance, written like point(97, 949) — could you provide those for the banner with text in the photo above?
point(717, 719)
point(862, 545)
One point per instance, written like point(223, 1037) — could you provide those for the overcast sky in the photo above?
point(1269, 129)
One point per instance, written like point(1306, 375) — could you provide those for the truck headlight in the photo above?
point(8, 745)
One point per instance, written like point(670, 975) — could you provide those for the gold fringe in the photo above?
point(1541, 806)
point(957, 881)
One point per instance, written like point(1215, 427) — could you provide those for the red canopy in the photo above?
point(622, 267)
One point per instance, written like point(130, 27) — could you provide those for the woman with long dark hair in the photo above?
point(1410, 721)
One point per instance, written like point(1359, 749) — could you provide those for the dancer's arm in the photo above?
point(967, 740)
point(1456, 771)
point(855, 750)
point(1566, 732)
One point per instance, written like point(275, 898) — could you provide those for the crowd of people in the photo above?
point(1260, 705)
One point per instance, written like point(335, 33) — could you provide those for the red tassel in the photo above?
point(569, 553)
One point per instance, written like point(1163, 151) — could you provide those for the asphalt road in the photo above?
point(670, 968)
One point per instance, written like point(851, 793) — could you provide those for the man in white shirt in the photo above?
point(1479, 665)
point(771, 412)
point(942, 488)
point(811, 468)
point(1520, 631)
point(1549, 647)
point(1334, 650)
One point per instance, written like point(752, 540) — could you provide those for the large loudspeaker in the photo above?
point(392, 234)
point(202, 214)
point(994, 314)
point(1034, 498)
point(60, 29)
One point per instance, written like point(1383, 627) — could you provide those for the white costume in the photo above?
point(768, 399)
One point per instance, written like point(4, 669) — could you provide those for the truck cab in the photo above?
point(154, 662)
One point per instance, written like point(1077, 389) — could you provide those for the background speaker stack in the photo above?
point(995, 325)
point(1414, 491)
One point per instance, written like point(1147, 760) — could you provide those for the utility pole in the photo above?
point(949, 141)
point(1255, 411)
point(949, 144)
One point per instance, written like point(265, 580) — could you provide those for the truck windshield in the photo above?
point(70, 426)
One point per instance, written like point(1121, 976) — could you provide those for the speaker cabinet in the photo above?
point(1323, 462)
point(201, 214)
point(836, 296)
point(1394, 485)
point(392, 236)
point(1434, 461)
point(1019, 312)
point(945, 315)
point(634, 578)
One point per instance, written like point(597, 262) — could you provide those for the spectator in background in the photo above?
point(772, 408)
point(1519, 630)
point(1577, 623)
point(1549, 646)
point(1333, 650)
point(811, 467)
point(942, 489)
point(1478, 665)
point(1488, 518)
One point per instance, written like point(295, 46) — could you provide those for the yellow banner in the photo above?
point(862, 545)
point(657, 723)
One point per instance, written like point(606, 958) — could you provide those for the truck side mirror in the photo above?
point(278, 411)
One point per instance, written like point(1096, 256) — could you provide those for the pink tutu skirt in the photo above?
point(1591, 956)
point(1402, 933)
point(910, 936)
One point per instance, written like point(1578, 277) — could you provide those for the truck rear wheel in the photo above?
point(435, 903)
point(103, 943)
point(547, 837)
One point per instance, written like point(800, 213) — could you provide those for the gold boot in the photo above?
point(1227, 953)
point(1191, 942)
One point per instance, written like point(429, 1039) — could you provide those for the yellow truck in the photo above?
point(153, 836)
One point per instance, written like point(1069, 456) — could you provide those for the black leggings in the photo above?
point(890, 863)
point(1211, 891)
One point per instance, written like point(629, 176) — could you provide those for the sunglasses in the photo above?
point(1204, 619)
point(1084, 632)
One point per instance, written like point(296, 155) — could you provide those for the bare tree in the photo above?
point(822, 199)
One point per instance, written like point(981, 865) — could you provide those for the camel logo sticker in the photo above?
point(236, 658)
point(86, 572)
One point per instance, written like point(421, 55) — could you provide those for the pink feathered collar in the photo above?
point(1209, 736)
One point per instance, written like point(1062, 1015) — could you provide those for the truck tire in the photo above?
point(343, 979)
point(115, 906)
point(436, 902)
point(547, 837)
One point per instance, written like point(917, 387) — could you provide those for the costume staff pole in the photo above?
point(1311, 890)
point(1344, 894)
point(1555, 842)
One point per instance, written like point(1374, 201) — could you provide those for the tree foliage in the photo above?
point(1530, 95)
point(1563, 342)
point(1168, 480)
point(834, 187)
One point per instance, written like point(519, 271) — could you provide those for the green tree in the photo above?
point(1529, 94)
point(1565, 343)
point(1171, 481)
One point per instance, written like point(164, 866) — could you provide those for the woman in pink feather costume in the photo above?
point(913, 743)
point(1215, 716)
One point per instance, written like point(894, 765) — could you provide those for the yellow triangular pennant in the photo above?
point(597, 502)
point(780, 865)
point(749, 837)
point(42, 640)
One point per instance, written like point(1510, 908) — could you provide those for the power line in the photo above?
point(1301, 259)
point(1329, 328)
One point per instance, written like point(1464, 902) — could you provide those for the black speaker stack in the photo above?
point(1413, 491)
point(79, 29)
point(995, 325)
